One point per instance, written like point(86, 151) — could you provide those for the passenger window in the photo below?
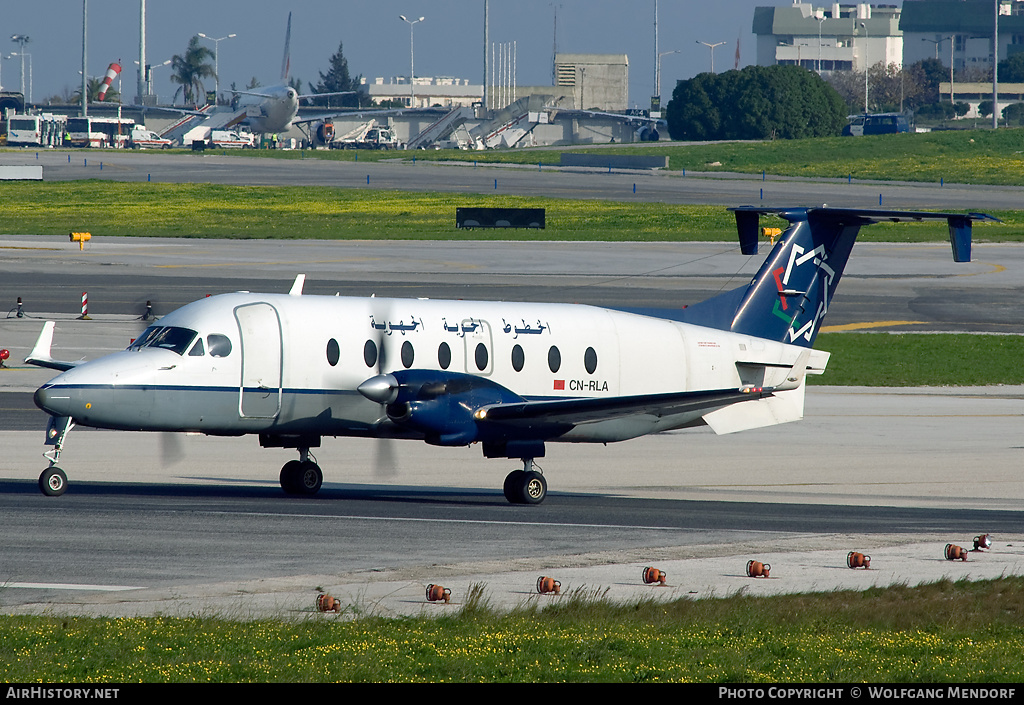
point(219, 345)
point(481, 356)
point(518, 358)
point(333, 352)
point(590, 360)
point(554, 359)
point(408, 354)
point(370, 353)
point(444, 356)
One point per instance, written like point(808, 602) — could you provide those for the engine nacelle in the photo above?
point(442, 405)
point(322, 133)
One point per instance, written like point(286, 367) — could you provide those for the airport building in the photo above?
point(426, 92)
point(961, 30)
point(830, 37)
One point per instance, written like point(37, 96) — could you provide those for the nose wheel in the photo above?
point(53, 482)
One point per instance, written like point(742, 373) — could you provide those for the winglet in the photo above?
point(296, 289)
point(40, 355)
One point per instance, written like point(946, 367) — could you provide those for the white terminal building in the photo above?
point(582, 82)
point(828, 38)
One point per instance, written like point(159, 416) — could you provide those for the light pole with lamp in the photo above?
point(216, 59)
point(21, 39)
point(952, 44)
point(658, 76)
point(821, 21)
point(412, 60)
point(712, 48)
point(148, 75)
point(867, 66)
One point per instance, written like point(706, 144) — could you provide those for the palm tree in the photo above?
point(93, 87)
point(190, 70)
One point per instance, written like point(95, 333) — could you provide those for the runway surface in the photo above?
point(150, 525)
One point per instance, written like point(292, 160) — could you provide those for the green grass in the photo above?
point(960, 156)
point(207, 210)
point(962, 632)
point(910, 360)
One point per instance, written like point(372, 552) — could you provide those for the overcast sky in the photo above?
point(449, 42)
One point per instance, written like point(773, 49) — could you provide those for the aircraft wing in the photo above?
point(349, 112)
point(40, 355)
point(590, 410)
point(310, 96)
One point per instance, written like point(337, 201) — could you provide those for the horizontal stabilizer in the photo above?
point(40, 355)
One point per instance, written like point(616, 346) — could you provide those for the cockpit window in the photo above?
point(140, 342)
point(197, 349)
point(167, 337)
point(220, 345)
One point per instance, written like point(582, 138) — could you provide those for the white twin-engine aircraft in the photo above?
point(509, 376)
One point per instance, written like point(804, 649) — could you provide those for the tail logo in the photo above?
point(799, 256)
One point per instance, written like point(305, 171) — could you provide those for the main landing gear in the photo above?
point(303, 476)
point(526, 486)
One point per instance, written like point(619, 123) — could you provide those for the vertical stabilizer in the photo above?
point(791, 292)
point(287, 60)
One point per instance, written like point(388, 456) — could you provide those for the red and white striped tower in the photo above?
point(112, 71)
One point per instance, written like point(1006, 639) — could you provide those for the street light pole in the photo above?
point(658, 74)
point(712, 48)
point(216, 60)
point(21, 39)
point(867, 67)
point(412, 60)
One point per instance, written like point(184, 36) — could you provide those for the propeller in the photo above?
point(384, 460)
point(172, 450)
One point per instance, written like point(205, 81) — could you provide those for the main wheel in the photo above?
point(309, 478)
point(290, 477)
point(53, 482)
point(512, 482)
point(534, 488)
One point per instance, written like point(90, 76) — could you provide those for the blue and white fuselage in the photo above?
point(291, 365)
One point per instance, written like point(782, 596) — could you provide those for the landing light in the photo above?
point(954, 552)
point(438, 593)
point(653, 575)
point(858, 560)
point(757, 569)
point(547, 585)
point(326, 603)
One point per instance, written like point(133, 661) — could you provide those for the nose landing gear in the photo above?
point(52, 481)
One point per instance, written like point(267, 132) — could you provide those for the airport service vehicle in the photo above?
point(43, 130)
point(99, 131)
point(509, 377)
point(368, 136)
point(231, 139)
point(878, 124)
point(141, 138)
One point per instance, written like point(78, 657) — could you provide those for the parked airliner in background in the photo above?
point(273, 109)
point(511, 377)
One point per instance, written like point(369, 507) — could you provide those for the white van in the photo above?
point(142, 138)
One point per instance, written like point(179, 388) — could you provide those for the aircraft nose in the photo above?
point(52, 401)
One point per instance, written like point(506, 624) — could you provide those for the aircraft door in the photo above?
point(259, 392)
